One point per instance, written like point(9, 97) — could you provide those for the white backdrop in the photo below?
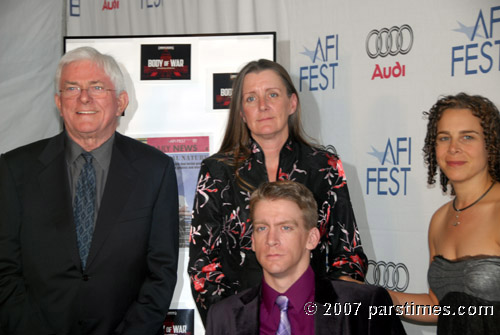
point(30, 45)
point(376, 122)
point(370, 109)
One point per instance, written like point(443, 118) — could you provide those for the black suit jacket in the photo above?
point(239, 314)
point(132, 265)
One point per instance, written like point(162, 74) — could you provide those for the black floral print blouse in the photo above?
point(221, 261)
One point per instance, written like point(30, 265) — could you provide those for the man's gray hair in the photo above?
point(107, 63)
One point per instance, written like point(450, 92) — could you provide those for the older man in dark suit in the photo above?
point(88, 218)
point(290, 299)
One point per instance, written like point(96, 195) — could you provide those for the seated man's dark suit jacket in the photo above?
point(132, 265)
point(239, 314)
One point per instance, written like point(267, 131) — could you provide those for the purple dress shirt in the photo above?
point(301, 292)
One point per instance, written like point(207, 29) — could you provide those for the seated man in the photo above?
point(290, 299)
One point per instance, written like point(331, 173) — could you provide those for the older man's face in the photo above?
point(86, 117)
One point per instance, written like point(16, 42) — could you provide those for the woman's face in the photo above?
point(266, 106)
point(460, 148)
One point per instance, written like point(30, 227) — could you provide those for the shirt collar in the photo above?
point(298, 294)
point(255, 147)
point(258, 155)
point(101, 155)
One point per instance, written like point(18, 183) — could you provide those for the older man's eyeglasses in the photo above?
point(94, 91)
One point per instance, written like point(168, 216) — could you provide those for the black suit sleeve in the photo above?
point(383, 317)
point(212, 320)
point(148, 311)
point(19, 314)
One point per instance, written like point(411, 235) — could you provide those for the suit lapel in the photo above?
point(54, 185)
point(119, 186)
point(247, 313)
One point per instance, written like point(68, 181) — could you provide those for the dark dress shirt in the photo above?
point(301, 292)
point(101, 159)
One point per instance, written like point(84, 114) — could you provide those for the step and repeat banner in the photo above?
point(365, 72)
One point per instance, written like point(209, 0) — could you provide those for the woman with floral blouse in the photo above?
point(264, 141)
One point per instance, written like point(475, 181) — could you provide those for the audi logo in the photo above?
point(393, 41)
point(389, 275)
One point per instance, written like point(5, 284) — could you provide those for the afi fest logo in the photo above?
point(482, 54)
point(391, 175)
point(320, 73)
point(385, 42)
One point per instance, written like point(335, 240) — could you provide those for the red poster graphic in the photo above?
point(179, 322)
point(222, 84)
point(165, 61)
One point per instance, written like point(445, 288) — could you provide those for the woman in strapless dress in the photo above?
point(463, 141)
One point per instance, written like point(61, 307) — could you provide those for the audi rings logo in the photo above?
point(389, 275)
point(393, 41)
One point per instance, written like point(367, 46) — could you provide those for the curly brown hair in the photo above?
point(481, 108)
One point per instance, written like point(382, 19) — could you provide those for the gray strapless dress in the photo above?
point(465, 287)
